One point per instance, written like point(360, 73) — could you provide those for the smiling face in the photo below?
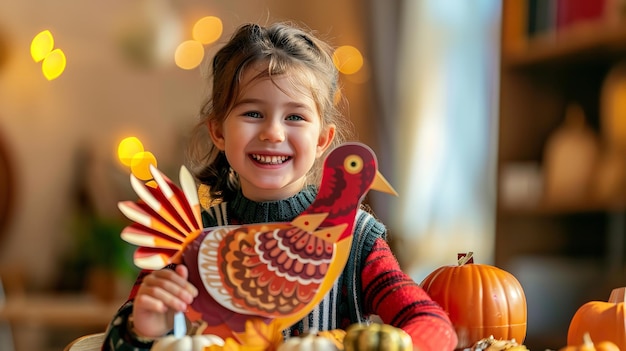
point(272, 135)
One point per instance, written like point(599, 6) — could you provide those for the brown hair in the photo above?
point(288, 50)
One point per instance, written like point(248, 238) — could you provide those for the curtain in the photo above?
point(438, 76)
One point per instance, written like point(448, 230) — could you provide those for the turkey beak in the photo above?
point(381, 184)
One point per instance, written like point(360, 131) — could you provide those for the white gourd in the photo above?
point(186, 343)
point(310, 342)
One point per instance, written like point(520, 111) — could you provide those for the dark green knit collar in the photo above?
point(248, 211)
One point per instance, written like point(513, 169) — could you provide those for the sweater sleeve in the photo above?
point(399, 301)
point(118, 337)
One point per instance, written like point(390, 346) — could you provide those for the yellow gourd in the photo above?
point(186, 343)
point(376, 337)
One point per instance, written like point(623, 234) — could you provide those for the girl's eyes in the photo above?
point(288, 118)
point(253, 114)
point(295, 118)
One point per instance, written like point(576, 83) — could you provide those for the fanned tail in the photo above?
point(166, 219)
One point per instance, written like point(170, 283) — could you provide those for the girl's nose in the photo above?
point(272, 131)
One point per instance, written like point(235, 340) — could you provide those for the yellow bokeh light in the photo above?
point(348, 59)
point(208, 29)
point(360, 77)
point(54, 64)
point(140, 165)
point(42, 45)
point(127, 148)
point(189, 54)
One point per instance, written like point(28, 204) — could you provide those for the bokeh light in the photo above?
point(130, 152)
point(189, 54)
point(362, 76)
point(348, 59)
point(42, 45)
point(127, 148)
point(207, 30)
point(54, 64)
point(140, 165)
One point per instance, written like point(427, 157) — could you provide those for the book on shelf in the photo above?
point(527, 23)
point(574, 12)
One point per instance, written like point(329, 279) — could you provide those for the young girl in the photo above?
point(272, 116)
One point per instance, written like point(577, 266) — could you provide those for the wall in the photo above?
point(67, 130)
point(105, 95)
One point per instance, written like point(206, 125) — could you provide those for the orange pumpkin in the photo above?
point(604, 320)
point(481, 300)
point(588, 345)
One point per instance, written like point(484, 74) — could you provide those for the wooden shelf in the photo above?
point(540, 77)
point(565, 208)
point(581, 44)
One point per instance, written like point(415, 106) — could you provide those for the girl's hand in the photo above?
point(161, 294)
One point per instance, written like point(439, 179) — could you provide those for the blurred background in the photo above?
point(499, 123)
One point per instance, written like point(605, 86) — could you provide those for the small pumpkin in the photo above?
point(376, 337)
point(480, 299)
point(588, 345)
point(308, 342)
point(186, 342)
point(603, 320)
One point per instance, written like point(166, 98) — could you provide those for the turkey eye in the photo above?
point(353, 164)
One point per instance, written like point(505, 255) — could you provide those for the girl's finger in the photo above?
point(182, 271)
point(166, 288)
point(149, 303)
point(179, 277)
point(173, 296)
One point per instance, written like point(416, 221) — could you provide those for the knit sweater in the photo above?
point(372, 282)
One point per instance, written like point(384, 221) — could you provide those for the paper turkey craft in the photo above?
point(277, 272)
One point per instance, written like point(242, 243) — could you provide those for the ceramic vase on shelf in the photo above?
point(611, 172)
point(570, 156)
point(613, 108)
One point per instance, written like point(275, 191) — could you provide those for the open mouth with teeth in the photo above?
point(270, 160)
